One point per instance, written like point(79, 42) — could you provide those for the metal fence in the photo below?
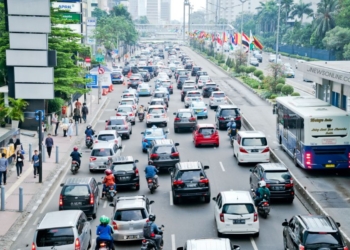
point(320, 54)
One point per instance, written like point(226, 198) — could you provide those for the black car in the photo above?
point(188, 179)
point(179, 73)
point(134, 82)
point(184, 91)
point(125, 172)
point(224, 113)
point(208, 89)
point(200, 73)
point(278, 180)
point(195, 69)
point(185, 119)
point(161, 54)
point(164, 153)
point(189, 66)
point(312, 232)
point(145, 75)
point(181, 80)
point(80, 193)
point(125, 70)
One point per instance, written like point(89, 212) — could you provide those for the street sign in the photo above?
point(93, 82)
point(101, 71)
point(37, 115)
point(99, 58)
point(88, 59)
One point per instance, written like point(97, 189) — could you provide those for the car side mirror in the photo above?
point(214, 198)
point(166, 132)
point(120, 147)
point(338, 224)
point(177, 144)
point(111, 205)
point(115, 109)
point(285, 224)
point(151, 202)
point(89, 218)
point(62, 184)
point(206, 167)
point(236, 247)
point(99, 183)
point(174, 113)
point(136, 161)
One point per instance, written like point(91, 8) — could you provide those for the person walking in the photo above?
point(3, 168)
point(18, 146)
point(77, 115)
point(70, 129)
point(49, 144)
point(36, 162)
point(19, 163)
point(64, 126)
point(84, 111)
point(55, 123)
point(77, 104)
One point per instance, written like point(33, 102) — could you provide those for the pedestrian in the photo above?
point(18, 146)
point(77, 104)
point(70, 129)
point(84, 111)
point(43, 130)
point(36, 162)
point(77, 115)
point(64, 126)
point(19, 163)
point(119, 59)
point(49, 144)
point(3, 168)
point(55, 123)
point(11, 146)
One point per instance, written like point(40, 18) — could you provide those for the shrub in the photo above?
point(242, 69)
point(266, 94)
point(273, 96)
point(261, 77)
point(255, 85)
point(295, 94)
point(251, 82)
point(250, 69)
point(228, 62)
point(281, 80)
point(258, 73)
point(287, 89)
point(232, 64)
point(279, 87)
point(55, 105)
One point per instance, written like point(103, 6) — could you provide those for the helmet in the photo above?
point(108, 172)
point(150, 162)
point(104, 219)
point(88, 126)
point(152, 217)
point(262, 183)
point(75, 148)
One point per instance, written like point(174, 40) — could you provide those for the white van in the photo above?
point(251, 146)
point(109, 136)
point(235, 213)
point(209, 244)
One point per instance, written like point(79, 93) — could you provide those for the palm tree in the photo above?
point(325, 17)
point(302, 9)
point(267, 15)
point(286, 6)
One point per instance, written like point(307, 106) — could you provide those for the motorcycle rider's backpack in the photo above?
point(147, 230)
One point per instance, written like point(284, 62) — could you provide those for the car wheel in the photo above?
point(176, 200)
point(132, 123)
point(217, 145)
point(175, 130)
point(207, 199)
point(128, 136)
point(196, 145)
point(137, 187)
point(148, 125)
point(92, 171)
point(220, 235)
point(94, 216)
point(182, 99)
point(257, 234)
point(131, 132)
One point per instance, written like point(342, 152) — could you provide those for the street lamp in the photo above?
point(278, 27)
point(186, 2)
point(242, 1)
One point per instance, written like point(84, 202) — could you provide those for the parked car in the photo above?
point(254, 62)
point(205, 134)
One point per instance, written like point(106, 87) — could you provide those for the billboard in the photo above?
point(71, 7)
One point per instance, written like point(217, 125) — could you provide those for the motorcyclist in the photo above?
point(76, 156)
point(232, 127)
point(104, 232)
point(89, 132)
point(151, 172)
point(108, 181)
point(141, 110)
point(152, 231)
point(260, 192)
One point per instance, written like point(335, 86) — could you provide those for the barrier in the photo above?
point(104, 92)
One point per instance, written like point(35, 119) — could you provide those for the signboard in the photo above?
point(91, 21)
point(93, 83)
point(101, 71)
point(90, 35)
point(42, 115)
point(99, 58)
point(71, 7)
point(70, 16)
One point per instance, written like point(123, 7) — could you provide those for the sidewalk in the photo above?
point(12, 221)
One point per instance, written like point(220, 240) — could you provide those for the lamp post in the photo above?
point(278, 27)
point(242, 1)
point(186, 2)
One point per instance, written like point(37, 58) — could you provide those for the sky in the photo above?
point(177, 7)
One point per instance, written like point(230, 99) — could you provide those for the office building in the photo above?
point(142, 8)
point(165, 6)
point(153, 11)
point(133, 8)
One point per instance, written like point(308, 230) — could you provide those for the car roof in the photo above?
point(157, 99)
point(318, 223)
point(205, 125)
point(103, 144)
point(236, 196)
point(67, 218)
point(218, 92)
point(77, 180)
point(209, 244)
point(228, 106)
point(127, 99)
point(156, 106)
point(273, 166)
point(127, 202)
point(189, 165)
point(184, 110)
point(123, 159)
point(109, 132)
point(125, 105)
point(248, 134)
point(164, 142)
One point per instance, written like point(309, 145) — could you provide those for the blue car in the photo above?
point(200, 109)
point(144, 89)
point(151, 134)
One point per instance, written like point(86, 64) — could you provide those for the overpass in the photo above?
point(177, 28)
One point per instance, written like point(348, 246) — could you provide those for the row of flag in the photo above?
point(232, 39)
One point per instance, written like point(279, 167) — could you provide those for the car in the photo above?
point(199, 109)
point(163, 153)
point(162, 92)
point(181, 80)
point(210, 243)
point(129, 101)
point(80, 193)
point(117, 77)
point(129, 95)
point(126, 70)
point(109, 136)
point(120, 124)
point(130, 214)
point(297, 62)
point(172, 67)
point(144, 89)
point(129, 112)
point(181, 72)
point(189, 83)
point(203, 80)
point(254, 62)
point(131, 90)
point(200, 73)
point(169, 85)
point(192, 96)
point(184, 119)
point(234, 213)
point(217, 98)
point(161, 55)
point(145, 75)
point(101, 153)
point(208, 88)
point(224, 113)
point(142, 63)
point(151, 134)
point(312, 232)
point(185, 89)
point(156, 114)
point(205, 134)
point(289, 73)
point(125, 171)
point(158, 101)
point(189, 65)
point(134, 82)
point(278, 180)
point(251, 146)
point(117, 67)
point(168, 71)
point(272, 58)
point(72, 224)
point(189, 180)
point(259, 57)
point(287, 66)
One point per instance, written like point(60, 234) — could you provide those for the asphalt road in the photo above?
point(193, 219)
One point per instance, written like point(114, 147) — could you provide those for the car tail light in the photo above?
point(177, 119)
point(242, 150)
point(131, 114)
point(221, 118)
point(88, 137)
point(188, 99)
point(154, 156)
point(182, 92)
point(171, 86)
point(150, 180)
point(119, 115)
point(61, 200)
point(238, 118)
point(96, 141)
point(33, 246)
point(115, 226)
point(346, 248)
point(267, 149)
point(77, 244)
point(222, 217)
point(192, 119)
point(92, 199)
point(116, 141)
point(136, 172)
point(102, 244)
point(301, 247)
point(205, 181)
point(178, 182)
point(289, 185)
point(265, 204)
point(204, 109)
point(92, 159)
point(308, 160)
point(199, 81)
point(145, 140)
point(176, 154)
point(255, 217)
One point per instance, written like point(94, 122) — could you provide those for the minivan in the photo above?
point(209, 244)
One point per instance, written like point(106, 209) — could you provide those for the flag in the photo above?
point(251, 41)
point(245, 40)
point(219, 41)
point(237, 38)
point(224, 37)
point(257, 43)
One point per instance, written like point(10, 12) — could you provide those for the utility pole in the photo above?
point(278, 27)
point(183, 28)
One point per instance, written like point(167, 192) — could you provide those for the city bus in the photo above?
point(313, 132)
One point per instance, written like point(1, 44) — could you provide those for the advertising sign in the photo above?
point(70, 16)
point(76, 28)
point(93, 83)
point(91, 21)
point(90, 35)
point(71, 7)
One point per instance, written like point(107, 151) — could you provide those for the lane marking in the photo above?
point(222, 166)
point(124, 146)
point(253, 243)
point(171, 198)
point(36, 221)
point(105, 204)
point(93, 241)
point(173, 247)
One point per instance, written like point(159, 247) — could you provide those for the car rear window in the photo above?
point(324, 238)
point(127, 102)
point(102, 152)
point(124, 109)
point(206, 131)
point(157, 103)
point(229, 112)
point(159, 95)
point(155, 132)
point(190, 175)
point(261, 141)
point(129, 215)
point(55, 237)
point(123, 166)
point(75, 190)
point(105, 137)
point(116, 74)
point(156, 111)
point(219, 95)
point(115, 121)
point(166, 84)
point(184, 115)
point(204, 78)
point(164, 150)
point(238, 209)
point(278, 175)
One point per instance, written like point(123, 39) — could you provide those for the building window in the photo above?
point(335, 99)
point(343, 102)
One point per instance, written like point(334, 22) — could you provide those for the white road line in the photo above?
point(105, 204)
point(171, 198)
point(36, 221)
point(93, 241)
point(124, 146)
point(173, 246)
point(253, 243)
point(222, 166)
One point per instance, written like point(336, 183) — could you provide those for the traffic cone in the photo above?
point(104, 92)
point(113, 88)
point(110, 88)
point(129, 74)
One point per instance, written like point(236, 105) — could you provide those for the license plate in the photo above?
point(198, 111)
point(254, 150)
point(75, 203)
point(125, 178)
point(218, 100)
point(102, 167)
point(132, 237)
point(156, 116)
point(278, 188)
point(191, 185)
point(238, 221)
point(330, 165)
point(207, 136)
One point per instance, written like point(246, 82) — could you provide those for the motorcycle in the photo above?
point(110, 193)
point(141, 116)
point(150, 244)
point(152, 185)
point(263, 206)
point(74, 167)
point(89, 142)
point(104, 245)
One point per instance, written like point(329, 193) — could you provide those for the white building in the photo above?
point(165, 12)
point(153, 11)
point(142, 8)
point(133, 8)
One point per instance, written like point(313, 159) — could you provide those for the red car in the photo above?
point(205, 134)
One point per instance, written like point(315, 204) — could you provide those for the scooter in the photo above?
point(89, 142)
point(263, 206)
point(141, 116)
point(104, 245)
point(74, 167)
point(110, 193)
point(152, 185)
point(150, 244)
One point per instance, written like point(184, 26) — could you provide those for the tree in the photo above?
point(299, 35)
point(302, 9)
point(198, 17)
point(343, 17)
point(346, 53)
point(222, 21)
point(98, 13)
point(336, 39)
point(286, 8)
point(276, 70)
point(240, 59)
point(120, 10)
point(142, 20)
point(248, 22)
point(4, 45)
point(325, 17)
point(287, 89)
point(267, 16)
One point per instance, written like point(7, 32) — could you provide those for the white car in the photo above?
point(128, 111)
point(202, 80)
point(144, 89)
point(156, 115)
point(217, 98)
point(192, 96)
point(234, 213)
point(251, 146)
point(110, 135)
point(129, 101)
point(130, 96)
point(142, 63)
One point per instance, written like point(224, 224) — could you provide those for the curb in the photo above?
point(51, 182)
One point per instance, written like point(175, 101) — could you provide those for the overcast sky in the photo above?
point(177, 7)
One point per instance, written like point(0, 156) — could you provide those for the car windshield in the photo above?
point(128, 96)
point(101, 152)
point(204, 78)
point(184, 115)
point(166, 84)
point(326, 238)
point(261, 141)
point(106, 137)
point(159, 95)
point(154, 132)
point(124, 109)
point(130, 215)
point(188, 88)
point(193, 94)
point(206, 131)
point(238, 209)
point(198, 105)
point(75, 190)
point(229, 112)
point(124, 102)
point(164, 150)
point(144, 86)
point(115, 122)
point(278, 175)
point(218, 94)
point(156, 111)
point(190, 175)
point(123, 166)
point(116, 74)
point(55, 237)
point(157, 103)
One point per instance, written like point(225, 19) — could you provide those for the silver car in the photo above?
point(202, 80)
point(156, 114)
point(130, 214)
point(192, 96)
point(120, 124)
point(217, 98)
point(128, 111)
point(101, 153)
point(129, 101)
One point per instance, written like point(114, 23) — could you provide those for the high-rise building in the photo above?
point(142, 8)
point(153, 11)
point(133, 8)
point(165, 6)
